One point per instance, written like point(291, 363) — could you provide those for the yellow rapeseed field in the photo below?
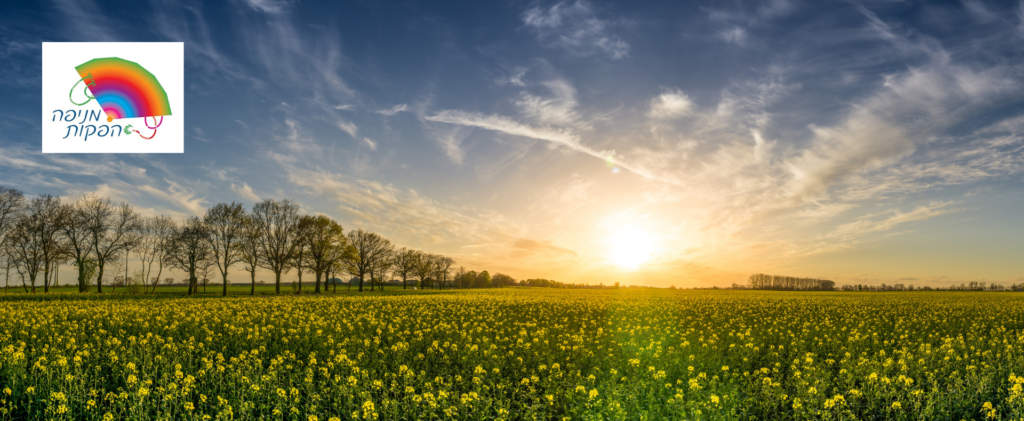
point(516, 354)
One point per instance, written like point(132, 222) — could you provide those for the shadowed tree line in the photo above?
point(97, 236)
point(789, 283)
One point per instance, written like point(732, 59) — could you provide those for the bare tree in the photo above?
point(382, 266)
point(405, 264)
point(26, 247)
point(340, 256)
point(442, 266)
point(111, 228)
point(460, 274)
point(189, 250)
point(11, 203)
point(77, 234)
point(154, 232)
point(45, 210)
point(34, 241)
point(227, 225)
point(249, 251)
point(300, 257)
point(423, 265)
point(7, 266)
point(369, 248)
point(204, 271)
point(322, 237)
point(276, 222)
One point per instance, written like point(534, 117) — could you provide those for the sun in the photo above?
point(631, 247)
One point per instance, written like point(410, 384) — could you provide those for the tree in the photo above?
point(111, 228)
point(442, 269)
point(45, 209)
point(424, 264)
point(405, 264)
point(322, 237)
point(34, 243)
point(189, 250)
point(11, 203)
point(277, 222)
point(300, 257)
point(460, 273)
point(469, 280)
point(369, 248)
point(483, 280)
point(204, 271)
point(226, 223)
point(382, 266)
point(249, 250)
point(26, 248)
point(502, 280)
point(340, 257)
point(154, 232)
point(77, 235)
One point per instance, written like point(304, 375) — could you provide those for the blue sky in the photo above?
point(866, 142)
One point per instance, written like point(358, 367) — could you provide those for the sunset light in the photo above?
point(515, 210)
point(631, 248)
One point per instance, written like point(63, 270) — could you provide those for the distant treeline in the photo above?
point(789, 283)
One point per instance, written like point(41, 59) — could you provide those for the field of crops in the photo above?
point(516, 354)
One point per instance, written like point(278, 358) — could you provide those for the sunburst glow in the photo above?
point(631, 247)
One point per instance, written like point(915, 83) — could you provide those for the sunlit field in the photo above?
point(514, 354)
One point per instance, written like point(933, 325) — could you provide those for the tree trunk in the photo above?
point(46, 278)
point(317, 289)
point(253, 290)
point(81, 276)
point(99, 280)
point(225, 284)
point(361, 274)
point(277, 283)
point(159, 272)
point(300, 281)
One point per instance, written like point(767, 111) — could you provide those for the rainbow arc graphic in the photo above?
point(124, 89)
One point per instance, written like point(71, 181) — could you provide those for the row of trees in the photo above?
point(38, 235)
point(789, 283)
point(971, 286)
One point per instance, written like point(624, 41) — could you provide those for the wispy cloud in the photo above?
point(267, 6)
point(393, 110)
point(558, 109)
point(370, 143)
point(83, 20)
point(245, 191)
point(670, 104)
point(577, 28)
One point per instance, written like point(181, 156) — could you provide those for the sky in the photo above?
point(650, 143)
